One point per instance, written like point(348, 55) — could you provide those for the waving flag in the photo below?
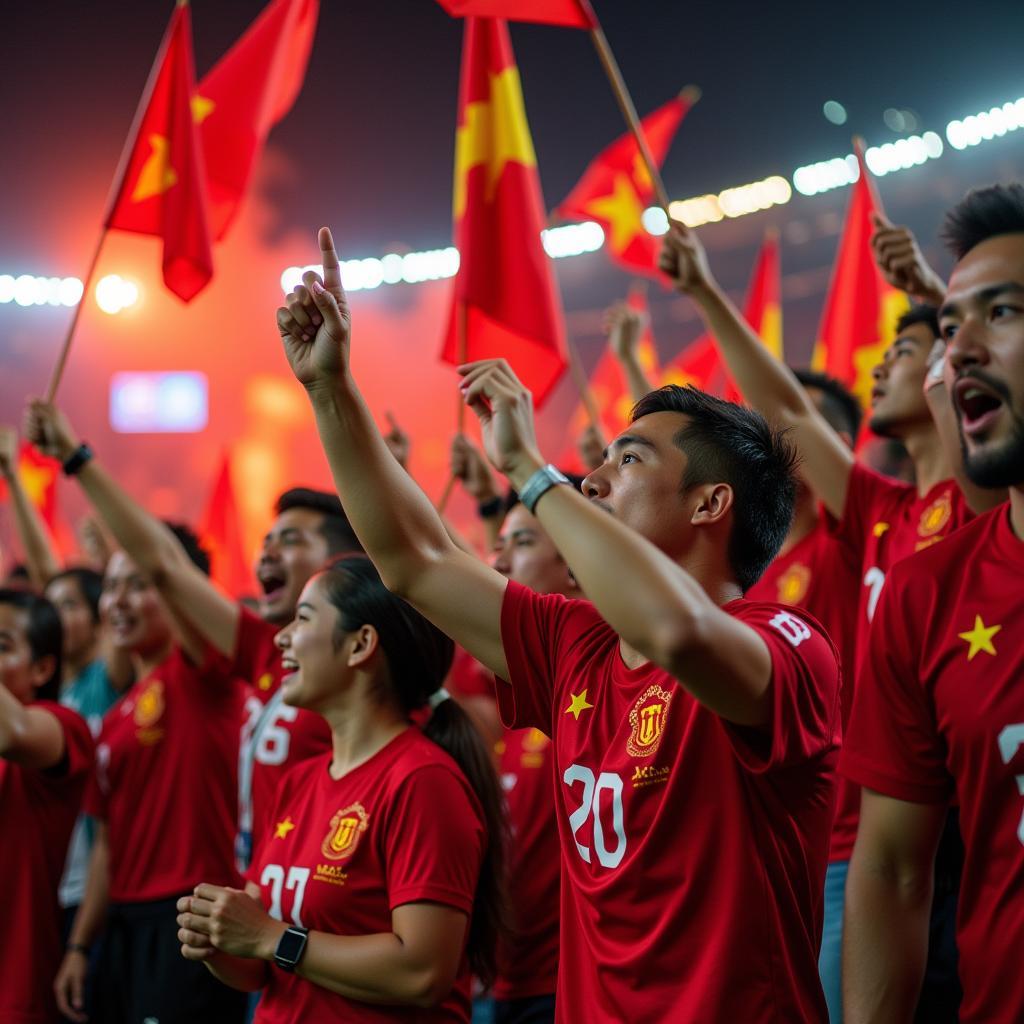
point(505, 299)
point(221, 535)
point(570, 13)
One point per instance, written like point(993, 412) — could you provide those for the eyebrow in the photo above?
point(305, 604)
point(626, 440)
point(983, 295)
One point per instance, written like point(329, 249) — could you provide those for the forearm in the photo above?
point(237, 972)
point(636, 379)
point(392, 517)
point(885, 944)
point(40, 558)
point(93, 909)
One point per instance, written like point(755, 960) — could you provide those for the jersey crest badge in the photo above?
point(150, 705)
point(935, 516)
point(534, 745)
point(343, 834)
point(793, 584)
point(648, 718)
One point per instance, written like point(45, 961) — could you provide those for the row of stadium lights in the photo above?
point(114, 293)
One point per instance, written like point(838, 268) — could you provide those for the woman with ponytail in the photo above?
point(378, 890)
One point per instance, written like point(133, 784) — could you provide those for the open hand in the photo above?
point(315, 324)
point(69, 985)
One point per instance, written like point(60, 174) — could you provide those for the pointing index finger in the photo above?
point(329, 259)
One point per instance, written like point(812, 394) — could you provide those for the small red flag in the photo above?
point(221, 535)
point(570, 13)
point(505, 286)
point(162, 191)
point(38, 475)
point(245, 94)
point(861, 308)
point(616, 188)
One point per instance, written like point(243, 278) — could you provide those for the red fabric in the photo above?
point(859, 319)
point(616, 188)
point(820, 575)
point(166, 780)
point(245, 94)
point(163, 191)
point(221, 534)
point(468, 678)
point(38, 474)
point(701, 364)
point(292, 736)
point(693, 852)
point(505, 283)
point(934, 721)
point(408, 828)
point(528, 961)
point(38, 810)
point(570, 13)
point(885, 521)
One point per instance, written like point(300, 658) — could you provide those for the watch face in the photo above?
point(290, 947)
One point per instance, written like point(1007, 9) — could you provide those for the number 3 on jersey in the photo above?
point(590, 807)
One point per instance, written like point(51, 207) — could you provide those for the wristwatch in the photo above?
point(539, 484)
point(290, 948)
point(77, 459)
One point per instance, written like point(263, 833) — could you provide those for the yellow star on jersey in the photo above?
point(282, 828)
point(979, 638)
point(578, 704)
point(879, 528)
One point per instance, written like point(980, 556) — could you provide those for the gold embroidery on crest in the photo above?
point(648, 718)
point(793, 583)
point(343, 835)
point(935, 516)
point(150, 705)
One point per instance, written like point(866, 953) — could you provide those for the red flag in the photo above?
point(38, 475)
point(162, 191)
point(221, 535)
point(861, 308)
point(570, 13)
point(701, 364)
point(505, 286)
point(616, 189)
point(245, 94)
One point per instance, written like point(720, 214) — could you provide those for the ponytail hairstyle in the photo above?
point(418, 657)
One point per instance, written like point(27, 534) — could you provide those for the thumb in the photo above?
point(328, 305)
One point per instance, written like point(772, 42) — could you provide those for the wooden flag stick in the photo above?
point(115, 191)
point(579, 378)
point(618, 84)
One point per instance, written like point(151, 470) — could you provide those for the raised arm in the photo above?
point(393, 519)
point(767, 383)
point(888, 902)
point(40, 558)
point(29, 735)
point(625, 326)
point(902, 263)
point(469, 466)
point(194, 600)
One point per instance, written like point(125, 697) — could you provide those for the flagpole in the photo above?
point(618, 84)
point(114, 194)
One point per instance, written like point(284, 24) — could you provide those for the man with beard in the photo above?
point(940, 706)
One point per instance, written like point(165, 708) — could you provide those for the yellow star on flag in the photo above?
point(579, 703)
point(623, 211)
point(282, 828)
point(202, 108)
point(495, 132)
point(157, 174)
point(979, 638)
point(35, 480)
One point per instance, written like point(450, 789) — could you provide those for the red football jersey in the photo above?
point(821, 574)
point(38, 810)
point(940, 713)
point(166, 780)
point(884, 521)
point(468, 678)
point(693, 851)
point(285, 736)
point(403, 827)
point(528, 961)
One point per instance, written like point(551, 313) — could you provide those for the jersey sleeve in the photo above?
point(435, 840)
point(537, 630)
point(866, 493)
point(79, 748)
point(254, 645)
point(893, 745)
point(806, 720)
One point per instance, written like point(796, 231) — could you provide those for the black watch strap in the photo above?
point(77, 459)
point(491, 508)
point(290, 948)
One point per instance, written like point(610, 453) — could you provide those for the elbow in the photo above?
point(402, 571)
point(674, 636)
point(429, 988)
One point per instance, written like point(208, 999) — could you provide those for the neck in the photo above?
point(143, 662)
point(1017, 511)
point(931, 464)
point(805, 519)
point(75, 664)
point(359, 728)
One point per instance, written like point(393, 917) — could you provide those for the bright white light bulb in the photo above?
point(114, 294)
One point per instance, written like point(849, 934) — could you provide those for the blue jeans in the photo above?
point(830, 957)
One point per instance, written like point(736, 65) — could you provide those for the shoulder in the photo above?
point(868, 485)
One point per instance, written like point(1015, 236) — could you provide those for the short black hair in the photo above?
point(89, 582)
point(733, 444)
point(920, 313)
point(982, 214)
point(512, 498)
point(189, 540)
point(45, 634)
point(839, 407)
point(335, 527)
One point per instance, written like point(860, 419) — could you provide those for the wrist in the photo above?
point(272, 933)
point(525, 466)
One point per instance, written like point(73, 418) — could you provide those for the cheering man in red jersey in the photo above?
point(939, 713)
point(694, 733)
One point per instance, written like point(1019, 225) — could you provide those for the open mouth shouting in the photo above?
point(978, 404)
point(272, 581)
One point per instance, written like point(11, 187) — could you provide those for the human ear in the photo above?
point(713, 502)
point(364, 643)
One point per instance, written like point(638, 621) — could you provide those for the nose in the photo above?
point(880, 371)
point(500, 561)
point(595, 483)
point(283, 638)
point(967, 348)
